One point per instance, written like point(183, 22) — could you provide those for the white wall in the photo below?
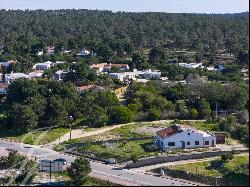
point(183, 136)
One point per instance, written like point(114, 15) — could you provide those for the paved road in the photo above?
point(123, 176)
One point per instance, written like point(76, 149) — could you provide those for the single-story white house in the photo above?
point(14, 76)
point(36, 74)
point(83, 52)
point(148, 74)
point(190, 65)
point(59, 62)
point(59, 75)
point(106, 67)
point(43, 66)
point(180, 136)
point(40, 53)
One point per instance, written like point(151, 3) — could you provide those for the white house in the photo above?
point(148, 74)
point(179, 136)
point(83, 52)
point(59, 75)
point(35, 74)
point(14, 76)
point(40, 53)
point(105, 67)
point(59, 62)
point(190, 65)
point(43, 66)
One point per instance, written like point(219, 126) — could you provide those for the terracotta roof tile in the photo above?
point(168, 131)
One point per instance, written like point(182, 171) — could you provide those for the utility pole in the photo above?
point(71, 121)
point(50, 162)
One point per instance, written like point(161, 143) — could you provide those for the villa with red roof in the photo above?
point(181, 136)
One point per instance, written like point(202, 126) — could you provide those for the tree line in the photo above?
point(26, 32)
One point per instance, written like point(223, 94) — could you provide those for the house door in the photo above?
point(212, 143)
point(183, 144)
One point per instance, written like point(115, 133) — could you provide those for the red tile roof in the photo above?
point(82, 88)
point(168, 131)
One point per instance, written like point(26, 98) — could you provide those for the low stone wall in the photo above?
point(160, 160)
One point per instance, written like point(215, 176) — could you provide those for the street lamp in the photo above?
point(70, 124)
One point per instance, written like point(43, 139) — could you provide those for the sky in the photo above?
point(170, 6)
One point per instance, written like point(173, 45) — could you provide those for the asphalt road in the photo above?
point(98, 169)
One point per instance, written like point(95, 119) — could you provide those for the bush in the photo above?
point(226, 157)
point(154, 114)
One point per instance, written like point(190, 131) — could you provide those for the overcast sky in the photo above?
point(171, 6)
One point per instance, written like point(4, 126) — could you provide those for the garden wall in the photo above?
point(159, 160)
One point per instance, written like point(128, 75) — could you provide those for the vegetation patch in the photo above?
point(121, 151)
point(36, 137)
point(228, 170)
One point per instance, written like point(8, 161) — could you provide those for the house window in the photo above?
point(188, 143)
point(197, 143)
point(171, 143)
point(206, 142)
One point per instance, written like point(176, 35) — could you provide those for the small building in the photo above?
point(50, 50)
point(148, 74)
point(106, 67)
point(36, 74)
point(40, 53)
point(180, 136)
point(14, 76)
point(211, 68)
point(84, 88)
point(190, 65)
point(43, 66)
point(152, 74)
point(221, 67)
point(83, 52)
point(60, 74)
point(5, 65)
point(3, 88)
point(220, 137)
point(59, 62)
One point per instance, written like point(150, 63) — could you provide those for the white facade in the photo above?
point(83, 53)
point(35, 74)
point(190, 65)
point(148, 74)
point(39, 53)
point(43, 66)
point(59, 75)
point(14, 76)
point(185, 138)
